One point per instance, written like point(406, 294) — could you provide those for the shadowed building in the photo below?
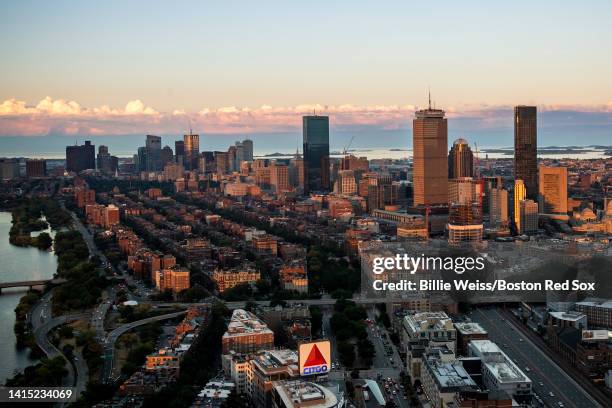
point(316, 153)
point(179, 152)
point(79, 158)
point(430, 163)
point(153, 153)
point(36, 167)
point(526, 148)
point(460, 160)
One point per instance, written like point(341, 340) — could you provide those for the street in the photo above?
point(551, 383)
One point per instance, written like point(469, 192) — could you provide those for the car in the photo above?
point(527, 369)
point(551, 394)
point(541, 384)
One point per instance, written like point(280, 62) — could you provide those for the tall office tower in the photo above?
point(345, 183)
point(488, 184)
point(232, 156)
point(239, 155)
point(222, 161)
point(79, 158)
point(106, 163)
point(461, 190)
point(279, 177)
point(192, 151)
point(316, 153)
point(247, 146)
point(460, 160)
point(296, 171)
point(167, 155)
point(36, 168)
point(179, 151)
point(553, 190)
point(430, 161)
point(142, 159)
point(207, 162)
point(153, 146)
point(498, 207)
point(526, 148)
point(519, 195)
point(529, 217)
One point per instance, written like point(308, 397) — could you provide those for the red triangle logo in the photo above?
point(315, 357)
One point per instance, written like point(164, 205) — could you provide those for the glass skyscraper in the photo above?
point(526, 148)
point(316, 153)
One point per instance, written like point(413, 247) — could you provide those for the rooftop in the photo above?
point(497, 362)
point(470, 328)
point(299, 393)
point(602, 303)
point(568, 316)
point(243, 322)
point(450, 375)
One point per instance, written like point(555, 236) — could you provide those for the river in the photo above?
point(17, 264)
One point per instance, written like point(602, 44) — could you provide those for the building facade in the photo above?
point(430, 160)
point(526, 148)
point(316, 153)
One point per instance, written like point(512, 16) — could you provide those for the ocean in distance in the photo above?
point(373, 144)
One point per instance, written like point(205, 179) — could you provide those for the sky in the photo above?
point(132, 67)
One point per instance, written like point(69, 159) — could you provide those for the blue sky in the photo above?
point(194, 55)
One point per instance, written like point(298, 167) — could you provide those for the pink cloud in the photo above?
point(60, 116)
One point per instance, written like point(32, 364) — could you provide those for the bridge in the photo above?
point(30, 284)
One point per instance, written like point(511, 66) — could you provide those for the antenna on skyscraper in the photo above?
point(429, 92)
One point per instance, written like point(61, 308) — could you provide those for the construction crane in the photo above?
point(348, 146)
point(476, 161)
point(479, 180)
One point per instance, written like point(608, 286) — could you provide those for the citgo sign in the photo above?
point(315, 358)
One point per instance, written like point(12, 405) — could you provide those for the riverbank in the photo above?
point(18, 264)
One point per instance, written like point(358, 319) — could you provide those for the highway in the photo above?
point(42, 321)
point(111, 339)
point(550, 382)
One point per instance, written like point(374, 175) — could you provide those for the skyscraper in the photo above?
point(153, 146)
point(430, 160)
point(498, 207)
point(79, 158)
point(247, 145)
point(106, 163)
point(519, 195)
point(528, 217)
point(316, 153)
point(179, 151)
point(296, 171)
point(460, 160)
point(553, 190)
point(526, 148)
point(167, 155)
point(192, 151)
